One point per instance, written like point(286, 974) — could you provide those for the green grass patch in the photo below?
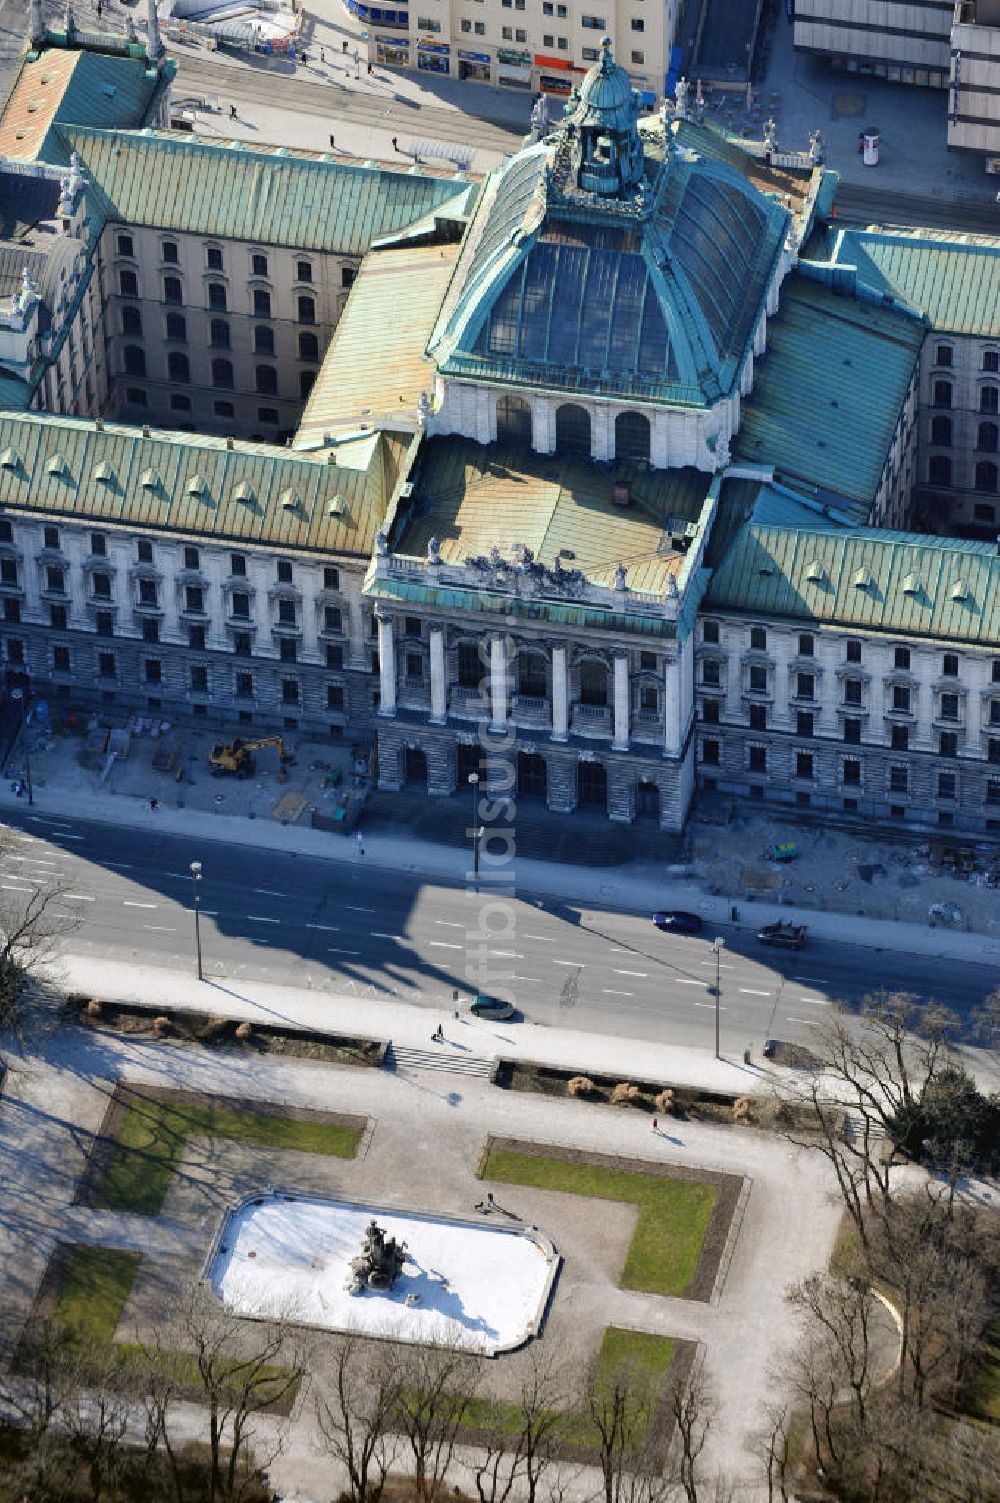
point(92, 1285)
point(151, 1136)
point(674, 1214)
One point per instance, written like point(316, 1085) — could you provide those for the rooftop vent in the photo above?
point(10, 459)
point(245, 492)
point(960, 590)
point(149, 480)
point(230, 444)
point(145, 430)
point(337, 507)
point(289, 500)
point(104, 473)
point(99, 424)
point(862, 580)
point(196, 486)
point(57, 465)
point(816, 573)
point(621, 495)
point(912, 585)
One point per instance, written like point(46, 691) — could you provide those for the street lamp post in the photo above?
point(195, 869)
point(474, 785)
point(717, 949)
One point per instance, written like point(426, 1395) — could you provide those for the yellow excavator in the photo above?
point(236, 758)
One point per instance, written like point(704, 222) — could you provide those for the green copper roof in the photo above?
point(942, 588)
point(239, 193)
point(654, 295)
point(828, 393)
point(68, 88)
point(954, 283)
point(191, 484)
point(478, 601)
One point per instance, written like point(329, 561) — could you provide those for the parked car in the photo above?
point(786, 936)
point(493, 1008)
point(676, 921)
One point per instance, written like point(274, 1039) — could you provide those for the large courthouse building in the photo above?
point(620, 453)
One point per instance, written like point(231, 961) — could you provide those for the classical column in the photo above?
point(620, 741)
point(439, 692)
point(387, 667)
point(560, 695)
point(498, 682)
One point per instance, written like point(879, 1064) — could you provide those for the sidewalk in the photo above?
point(633, 888)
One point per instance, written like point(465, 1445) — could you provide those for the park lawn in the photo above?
point(647, 1355)
point(151, 1136)
point(674, 1214)
point(93, 1285)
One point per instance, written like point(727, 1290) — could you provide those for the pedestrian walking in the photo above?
point(395, 143)
point(322, 55)
point(345, 46)
point(154, 804)
point(331, 140)
point(232, 112)
point(655, 1128)
point(361, 843)
point(438, 1035)
point(369, 69)
point(489, 1198)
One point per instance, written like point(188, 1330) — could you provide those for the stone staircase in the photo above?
point(440, 1057)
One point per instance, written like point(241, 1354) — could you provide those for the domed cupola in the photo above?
point(602, 117)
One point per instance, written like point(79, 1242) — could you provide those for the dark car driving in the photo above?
point(676, 921)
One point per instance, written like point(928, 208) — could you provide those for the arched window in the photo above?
point(222, 374)
point(572, 430)
point(176, 326)
point(128, 284)
point(308, 346)
point(986, 439)
point(307, 309)
point(986, 476)
point(267, 380)
point(939, 470)
point(593, 683)
point(178, 368)
point(135, 360)
point(219, 333)
point(631, 436)
point(263, 339)
point(132, 321)
point(941, 432)
point(989, 398)
point(173, 292)
point(513, 421)
point(261, 303)
point(942, 393)
point(306, 381)
point(217, 297)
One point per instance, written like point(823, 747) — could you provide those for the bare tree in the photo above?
point(839, 1314)
point(96, 1418)
point(244, 1369)
point(32, 924)
point(772, 1446)
point(691, 1407)
point(519, 1439)
point(436, 1391)
point(355, 1418)
point(620, 1407)
point(34, 1397)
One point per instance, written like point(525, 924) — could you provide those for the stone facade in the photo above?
point(958, 479)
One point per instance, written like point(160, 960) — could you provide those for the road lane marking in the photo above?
point(620, 950)
point(449, 924)
point(576, 964)
point(332, 950)
point(442, 944)
point(505, 955)
point(643, 974)
point(748, 991)
point(65, 835)
point(257, 918)
point(353, 908)
point(606, 991)
point(688, 981)
point(544, 939)
point(810, 1022)
point(327, 928)
point(813, 980)
point(816, 1001)
point(722, 965)
point(710, 1004)
point(123, 866)
point(81, 897)
point(128, 903)
point(160, 928)
point(536, 979)
point(379, 934)
point(268, 892)
point(9, 887)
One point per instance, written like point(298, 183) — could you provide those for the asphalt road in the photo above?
point(369, 932)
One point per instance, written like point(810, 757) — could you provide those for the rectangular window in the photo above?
point(334, 656)
point(852, 772)
point(125, 245)
point(241, 644)
point(8, 571)
point(11, 610)
point(949, 707)
point(758, 639)
point(637, 24)
point(758, 680)
point(758, 717)
point(710, 753)
point(153, 670)
point(993, 750)
point(106, 664)
point(304, 271)
point(58, 618)
point(901, 698)
point(148, 593)
point(238, 565)
point(331, 579)
point(150, 631)
point(853, 652)
point(199, 678)
point(334, 697)
point(196, 638)
point(949, 665)
point(806, 645)
point(286, 613)
point(899, 738)
point(144, 552)
point(98, 545)
point(710, 631)
point(710, 673)
point(948, 744)
point(15, 650)
point(592, 23)
point(804, 765)
point(638, 57)
point(710, 711)
point(284, 571)
point(105, 624)
point(60, 659)
point(289, 691)
point(993, 791)
point(240, 607)
point(100, 585)
point(332, 620)
point(415, 666)
point(194, 599)
point(213, 258)
point(852, 691)
point(191, 560)
point(55, 580)
point(258, 265)
point(901, 659)
point(899, 779)
point(805, 685)
point(244, 686)
point(480, 28)
point(803, 724)
point(51, 536)
point(470, 669)
point(757, 759)
point(852, 732)
point(946, 785)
